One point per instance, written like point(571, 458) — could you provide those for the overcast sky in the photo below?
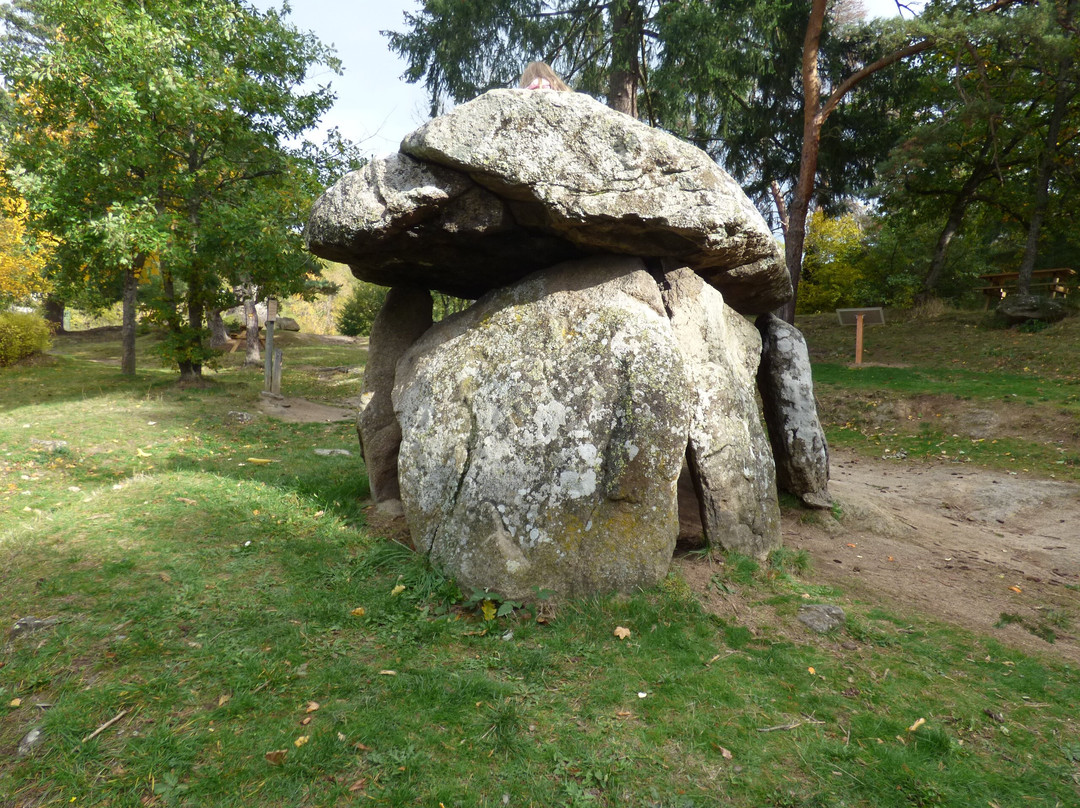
point(375, 107)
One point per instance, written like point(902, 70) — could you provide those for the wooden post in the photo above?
point(859, 318)
point(268, 371)
point(275, 386)
point(268, 377)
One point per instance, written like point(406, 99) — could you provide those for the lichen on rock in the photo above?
point(543, 431)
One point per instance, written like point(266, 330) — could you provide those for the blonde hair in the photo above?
point(539, 76)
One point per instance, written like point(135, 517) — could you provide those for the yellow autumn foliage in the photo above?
point(20, 268)
point(832, 266)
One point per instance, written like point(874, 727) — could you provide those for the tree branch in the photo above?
point(837, 95)
point(855, 78)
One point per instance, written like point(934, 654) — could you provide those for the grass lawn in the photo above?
point(952, 388)
point(257, 644)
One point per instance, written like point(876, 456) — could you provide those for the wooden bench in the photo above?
point(1054, 282)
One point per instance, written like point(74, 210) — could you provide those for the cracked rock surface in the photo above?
point(545, 428)
point(516, 180)
point(787, 401)
point(543, 431)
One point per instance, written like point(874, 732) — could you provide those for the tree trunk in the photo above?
point(251, 322)
point(980, 173)
point(54, 313)
point(781, 207)
point(813, 117)
point(195, 321)
point(626, 22)
point(219, 337)
point(1062, 94)
point(130, 304)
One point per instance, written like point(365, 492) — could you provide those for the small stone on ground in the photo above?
point(821, 617)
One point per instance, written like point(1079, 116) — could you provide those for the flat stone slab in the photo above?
point(517, 180)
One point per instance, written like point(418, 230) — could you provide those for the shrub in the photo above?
point(21, 335)
point(358, 313)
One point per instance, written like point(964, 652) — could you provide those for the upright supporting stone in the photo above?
point(543, 431)
point(404, 317)
point(730, 464)
point(787, 396)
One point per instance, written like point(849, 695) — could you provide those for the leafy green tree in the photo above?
point(774, 90)
point(156, 133)
point(359, 312)
point(983, 110)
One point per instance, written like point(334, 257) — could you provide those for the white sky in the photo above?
point(375, 107)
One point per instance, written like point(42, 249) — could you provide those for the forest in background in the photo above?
point(899, 159)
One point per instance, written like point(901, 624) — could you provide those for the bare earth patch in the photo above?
point(960, 544)
point(302, 411)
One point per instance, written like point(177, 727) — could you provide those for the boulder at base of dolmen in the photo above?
point(543, 431)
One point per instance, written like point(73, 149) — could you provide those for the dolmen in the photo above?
point(600, 396)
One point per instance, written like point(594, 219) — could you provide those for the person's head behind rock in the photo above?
point(539, 76)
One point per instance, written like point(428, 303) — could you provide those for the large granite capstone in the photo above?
point(516, 180)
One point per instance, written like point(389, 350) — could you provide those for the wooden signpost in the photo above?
point(272, 365)
point(859, 318)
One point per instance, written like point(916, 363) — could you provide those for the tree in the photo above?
point(985, 138)
point(833, 263)
point(460, 51)
point(728, 76)
point(159, 130)
point(1065, 90)
point(21, 268)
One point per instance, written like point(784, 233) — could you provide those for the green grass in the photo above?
point(947, 375)
point(217, 601)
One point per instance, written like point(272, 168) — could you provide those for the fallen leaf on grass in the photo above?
point(359, 784)
point(397, 590)
point(303, 739)
point(916, 725)
point(186, 501)
point(623, 714)
point(726, 753)
point(277, 757)
point(387, 673)
point(359, 611)
point(305, 720)
point(622, 632)
point(811, 671)
point(259, 461)
point(15, 703)
point(362, 747)
point(223, 699)
point(312, 706)
point(141, 453)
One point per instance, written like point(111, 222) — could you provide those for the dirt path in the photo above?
point(961, 544)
